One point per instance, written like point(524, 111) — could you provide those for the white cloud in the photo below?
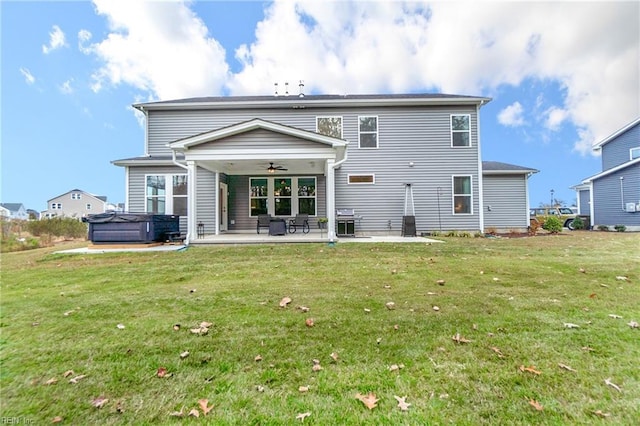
point(28, 77)
point(512, 115)
point(474, 48)
point(56, 40)
point(66, 88)
point(161, 48)
point(83, 37)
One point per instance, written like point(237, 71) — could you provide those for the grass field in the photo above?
point(549, 322)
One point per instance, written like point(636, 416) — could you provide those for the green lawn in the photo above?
point(527, 305)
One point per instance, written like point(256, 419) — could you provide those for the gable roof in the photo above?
point(496, 167)
point(302, 101)
point(256, 123)
point(614, 135)
point(98, 197)
point(12, 207)
point(612, 170)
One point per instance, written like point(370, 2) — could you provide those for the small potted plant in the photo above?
point(322, 224)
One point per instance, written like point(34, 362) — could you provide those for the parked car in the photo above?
point(565, 214)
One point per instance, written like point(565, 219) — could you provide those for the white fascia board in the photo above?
point(614, 135)
point(612, 170)
point(245, 155)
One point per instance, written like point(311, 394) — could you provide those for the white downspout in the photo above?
point(190, 194)
point(331, 196)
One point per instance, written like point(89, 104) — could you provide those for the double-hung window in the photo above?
point(167, 194)
point(460, 130)
point(368, 131)
point(329, 126)
point(462, 195)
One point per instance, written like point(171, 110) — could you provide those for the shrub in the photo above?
point(58, 227)
point(552, 224)
point(578, 223)
point(620, 228)
point(603, 228)
point(534, 227)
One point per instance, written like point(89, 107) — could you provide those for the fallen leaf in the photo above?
point(614, 316)
point(52, 381)
point(535, 404)
point(600, 414)
point(99, 402)
point(67, 373)
point(162, 372)
point(390, 305)
point(378, 340)
point(460, 339)
point(303, 308)
point(309, 322)
point(402, 403)
point(177, 413)
point(622, 278)
point(334, 356)
point(194, 412)
point(436, 308)
point(302, 416)
point(571, 325)
point(204, 406)
point(176, 327)
point(56, 419)
point(394, 271)
point(205, 324)
point(396, 327)
point(587, 349)
point(608, 382)
point(430, 293)
point(592, 295)
point(303, 389)
point(604, 285)
point(184, 354)
point(633, 324)
point(119, 407)
point(284, 302)
point(120, 326)
point(396, 367)
point(199, 330)
point(566, 367)
point(582, 270)
point(76, 379)
point(367, 310)
point(316, 367)
point(497, 351)
point(369, 400)
point(440, 282)
point(387, 286)
point(530, 369)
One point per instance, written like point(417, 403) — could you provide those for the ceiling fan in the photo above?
point(272, 168)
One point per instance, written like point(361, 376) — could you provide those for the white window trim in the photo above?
point(453, 196)
point(271, 196)
point(168, 196)
point(451, 131)
point(373, 177)
point(332, 116)
point(636, 150)
point(376, 132)
point(76, 196)
point(88, 206)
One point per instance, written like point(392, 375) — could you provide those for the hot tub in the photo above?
point(140, 228)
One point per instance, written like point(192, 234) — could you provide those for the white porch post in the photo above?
point(331, 200)
point(191, 196)
point(217, 209)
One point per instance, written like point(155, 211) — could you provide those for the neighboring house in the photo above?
point(13, 211)
point(614, 194)
point(221, 161)
point(76, 204)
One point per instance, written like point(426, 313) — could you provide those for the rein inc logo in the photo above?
point(16, 420)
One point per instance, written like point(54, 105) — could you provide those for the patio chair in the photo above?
point(263, 221)
point(301, 220)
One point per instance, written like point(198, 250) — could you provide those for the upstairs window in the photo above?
point(634, 153)
point(462, 195)
point(460, 130)
point(329, 126)
point(88, 206)
point(56, 206)
point(75, 196)
point(368, 132)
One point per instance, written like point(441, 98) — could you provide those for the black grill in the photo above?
point(346, 222)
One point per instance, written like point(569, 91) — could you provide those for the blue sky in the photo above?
point(562, 75)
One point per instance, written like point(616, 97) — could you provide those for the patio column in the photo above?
point(191, 197)
point(331, 200)
point(217, 199)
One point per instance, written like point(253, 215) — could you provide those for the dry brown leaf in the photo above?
point(119, 407)
point(587, 349)
point(535, 404)
point(497, 351)
point(600, 414)
point(396, 367)
point(460, 339)
point(67, 373)
point(204, 406)
point(402, 403)
point(531, 369)
point(284, 302)
point(303, 389)
point(51, 381)
point(177, 413)
point(184, 354)
point(608, 382)
point(633, 324)
point(571, 325)
point(258, 358)
point(162, 372)
point(566, 367)
point(440, 282)
point(593, 295)
point(303, 308)
point(436, 308)
point(334, 356)
point(99, 402)
point(390, 305)
point(205, 324)
point(76, 379)
point(309, 322)
point(176, 327)
point(622, 278)
point(316, 367)
point(56, 419)
point(194, 412)
point(369, 400)
point(614, 316)
point(302, 416)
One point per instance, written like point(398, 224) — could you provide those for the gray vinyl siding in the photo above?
point(206, 199)
point(506, 196)
point(137, 188)
point(607, 197)
point(584, 202)
point(421, 135)
point(616, 152)
point(257, 139)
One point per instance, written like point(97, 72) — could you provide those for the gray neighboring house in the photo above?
point(613, 195)
point(76, 204)
point(14, 211)
point(219, 162)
